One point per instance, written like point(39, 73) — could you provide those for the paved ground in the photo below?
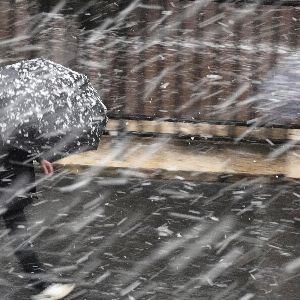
point(164, 239)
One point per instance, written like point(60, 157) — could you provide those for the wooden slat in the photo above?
point(206, 130)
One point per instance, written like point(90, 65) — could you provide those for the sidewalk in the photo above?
point(192, 160)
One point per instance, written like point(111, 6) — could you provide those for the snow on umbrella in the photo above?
point(45, 105)
point(279, 94)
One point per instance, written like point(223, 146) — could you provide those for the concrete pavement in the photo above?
point(162, 239)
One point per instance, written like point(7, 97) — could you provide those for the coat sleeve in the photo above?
point(39, 159)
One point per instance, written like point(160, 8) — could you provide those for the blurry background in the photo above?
point(167, 67)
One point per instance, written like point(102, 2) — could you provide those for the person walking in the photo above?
point(17, 191)
point(46, 110)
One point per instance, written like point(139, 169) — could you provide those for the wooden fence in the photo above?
point(165, 65)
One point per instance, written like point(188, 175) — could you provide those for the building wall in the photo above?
point(169, 59)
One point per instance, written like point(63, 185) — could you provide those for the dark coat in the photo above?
point(17, 178)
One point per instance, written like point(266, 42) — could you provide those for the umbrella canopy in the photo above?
point(44, 105)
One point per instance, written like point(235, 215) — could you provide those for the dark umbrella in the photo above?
point(46, 106)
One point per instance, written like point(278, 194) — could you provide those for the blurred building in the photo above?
point(182, 61)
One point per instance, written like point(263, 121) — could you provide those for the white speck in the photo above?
point(130, 288)
point(248, 296)
point(214, 77)
point(293, 265)
point(164, 230)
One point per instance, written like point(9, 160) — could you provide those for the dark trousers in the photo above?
point(17, 180)
point(16, 222)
